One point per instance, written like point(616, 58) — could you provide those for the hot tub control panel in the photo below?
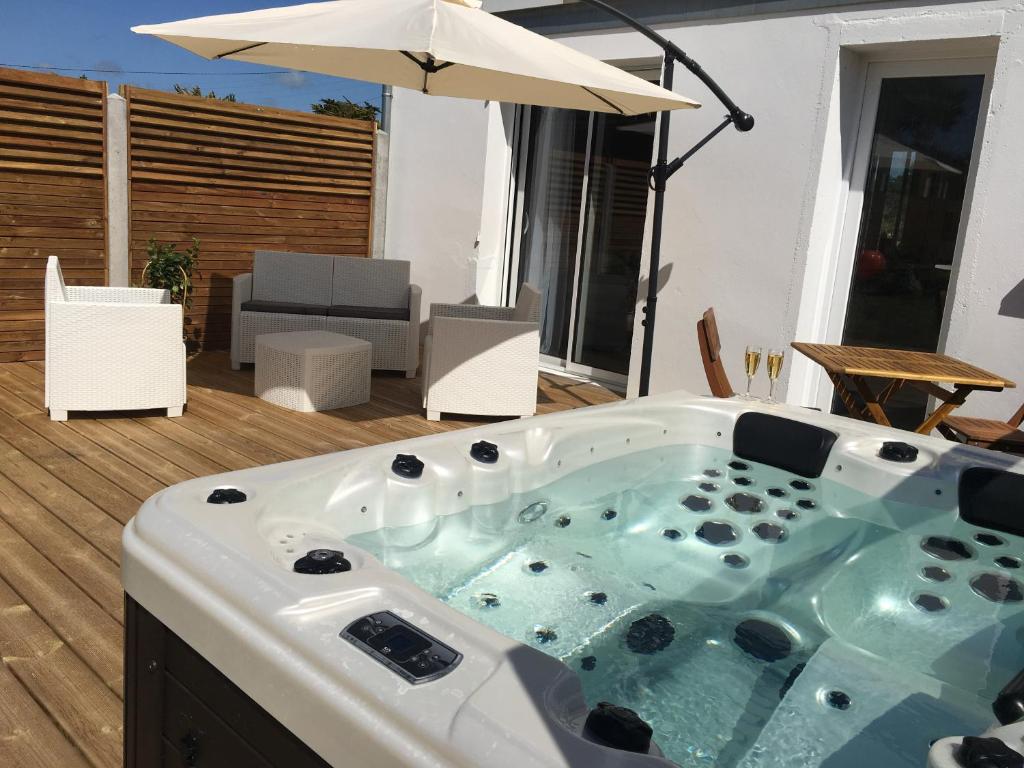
point(401, 647)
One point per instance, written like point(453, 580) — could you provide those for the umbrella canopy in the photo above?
point(440, 47)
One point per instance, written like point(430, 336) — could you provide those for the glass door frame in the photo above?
point(517, 190)
point(877, 71)
point(513, 241)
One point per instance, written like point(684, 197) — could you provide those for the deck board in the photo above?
point(119, 471)
point(28, 735)
point(67, 488)
point(76, 511)
point(56, 677)
point(74, 555)
point(76, 472)
point(73, 615)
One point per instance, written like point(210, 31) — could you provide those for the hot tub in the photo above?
point(762, 585)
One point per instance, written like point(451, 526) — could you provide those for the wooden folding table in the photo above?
point(852, 366)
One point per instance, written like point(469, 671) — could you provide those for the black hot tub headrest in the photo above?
point(992, 498)
point(782, 443)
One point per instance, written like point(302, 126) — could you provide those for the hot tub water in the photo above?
point(753, 617)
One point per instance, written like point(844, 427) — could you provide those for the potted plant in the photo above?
point(171, 269)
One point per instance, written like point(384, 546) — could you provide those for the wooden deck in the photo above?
point(66, 490)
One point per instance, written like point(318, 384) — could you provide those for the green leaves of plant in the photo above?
point(171, 269)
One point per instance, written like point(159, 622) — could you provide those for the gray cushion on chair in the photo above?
point(284, 307)
point(369, 313)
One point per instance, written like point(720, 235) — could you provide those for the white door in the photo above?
point(908, 204)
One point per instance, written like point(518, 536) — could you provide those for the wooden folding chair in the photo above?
point(710, 353)
point(986, 433)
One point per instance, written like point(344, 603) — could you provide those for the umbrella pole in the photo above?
point(663, 168)
point(659, 175)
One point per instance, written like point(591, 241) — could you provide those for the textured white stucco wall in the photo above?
point(436, 192)
point(987, 313)
point(752, 221)
point(733, 212)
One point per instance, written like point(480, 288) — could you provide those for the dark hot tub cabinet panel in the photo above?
point(793, 446)
point(179, 710)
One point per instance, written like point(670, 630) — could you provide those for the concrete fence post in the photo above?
point(119, 270)
point(380, 194)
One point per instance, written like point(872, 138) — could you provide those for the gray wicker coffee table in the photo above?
point(312, 370)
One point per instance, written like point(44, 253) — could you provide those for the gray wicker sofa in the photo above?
point(369, 299)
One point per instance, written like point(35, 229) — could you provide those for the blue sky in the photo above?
point(94, 34)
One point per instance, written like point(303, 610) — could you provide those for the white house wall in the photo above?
point(987, 315)
point(732, 220)
point(751, 222)
point(436, 192)
point(970, 31)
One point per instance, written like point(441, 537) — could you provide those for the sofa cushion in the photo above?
point(284, 307)
point(301, 278)
point(361, 282)
point(369, 313)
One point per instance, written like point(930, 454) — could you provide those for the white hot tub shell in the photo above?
point(221, 578)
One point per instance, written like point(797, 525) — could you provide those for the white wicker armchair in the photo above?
point(111, 349)
point(482, 360)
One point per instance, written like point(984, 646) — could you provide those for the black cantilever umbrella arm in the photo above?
point(663, 168)
point(739, 118)
point(674, 165)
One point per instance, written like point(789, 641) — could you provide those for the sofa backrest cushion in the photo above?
point(300, 278)
point(362, 282)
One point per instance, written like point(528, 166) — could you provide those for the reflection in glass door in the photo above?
point(550, 218)
point(916, 180)
point(579, 233)
point(619, 162)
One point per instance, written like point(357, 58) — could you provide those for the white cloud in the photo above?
point(108, 64)
point(292, 79)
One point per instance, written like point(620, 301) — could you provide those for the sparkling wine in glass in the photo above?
point(774, 366)
point(751, 359)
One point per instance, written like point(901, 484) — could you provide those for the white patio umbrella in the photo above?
point(440, 47)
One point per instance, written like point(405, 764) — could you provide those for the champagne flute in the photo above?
point(751, 359)
point(774, 367)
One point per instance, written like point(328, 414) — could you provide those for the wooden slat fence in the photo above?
point(240, 178)
point(52, 196)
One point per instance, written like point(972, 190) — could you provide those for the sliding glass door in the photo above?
point(578, 233)
point(550, 218)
